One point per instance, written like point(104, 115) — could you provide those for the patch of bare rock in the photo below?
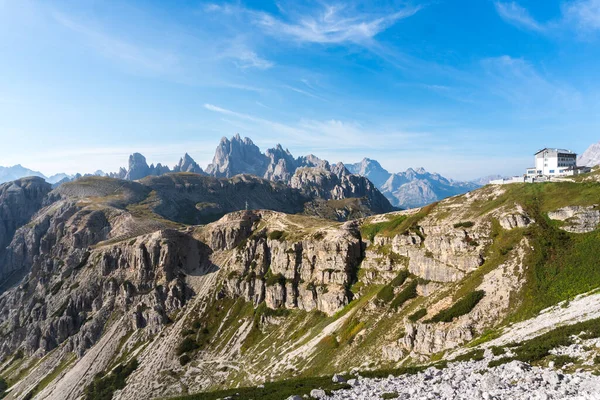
point(473, 380)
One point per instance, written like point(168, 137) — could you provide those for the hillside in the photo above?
point(124, 292)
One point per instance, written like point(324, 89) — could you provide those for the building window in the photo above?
point(551, 171)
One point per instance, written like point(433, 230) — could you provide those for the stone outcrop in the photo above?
point(138, 168)
point(237, 156)
point(515, 218)
point(577, 219)
point(336, 183)
point(19, 201)
point(306, 272)
point(187, 164)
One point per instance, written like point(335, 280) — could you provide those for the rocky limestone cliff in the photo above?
point(187, 164)
point(237, 156)
point(336, 183)
point(19, 201)
point(308, 270)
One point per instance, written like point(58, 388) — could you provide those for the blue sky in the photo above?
point(463, 87)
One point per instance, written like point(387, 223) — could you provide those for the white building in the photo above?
point(549, 163)
point(555, 162)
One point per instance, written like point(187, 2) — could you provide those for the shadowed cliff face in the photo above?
point(19, 201)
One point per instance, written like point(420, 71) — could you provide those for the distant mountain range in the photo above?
point(408, 189)
point(15, 172)
point(8, 174)
point(411, 188)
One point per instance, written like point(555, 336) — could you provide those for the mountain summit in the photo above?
point(411, 188)
point(590, 157)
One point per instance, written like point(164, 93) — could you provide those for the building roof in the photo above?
point(556, 150)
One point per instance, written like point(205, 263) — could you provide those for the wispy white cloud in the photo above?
point(143, 59)
point(249, 59)
point(532, 93)
point(244, 57)
point(517, 15)
point(326, 24)
point(322, 134)
point(579, 15)
point(303, 92)
point(335, 24)
point(584, 14)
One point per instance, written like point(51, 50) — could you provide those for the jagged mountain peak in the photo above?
point(187, 164)
point(8, 174)
point(591, 156)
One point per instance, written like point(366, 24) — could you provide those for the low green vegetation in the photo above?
point(397, 224)
point(350, 329)
point(409, 292)
point(461, 307)
point(400, 278)
point(3, 387)
point(371, 230)
point(561, 265)
point(103, 387)
point(386, 294)
point(558, 265)
point(271, 390)
point(539, 347)
point(417, 315)
point(277, 235)
point(497, 351)
point(562, 360)
point(389, 395)
point(56, 287)
point(274, 279)
point(465, 224)
point(384, 373)
point(504, 241)
point(188, 344)
point(327, 343)
point(473, 355)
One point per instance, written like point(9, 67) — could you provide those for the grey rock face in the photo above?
point(306, 273)
point(237, 156)
point(590, 157)
point(187, 164)
point(370, 169)
point(19, 201)
point(138, 168)
point(578, 219)
point(336, 183)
